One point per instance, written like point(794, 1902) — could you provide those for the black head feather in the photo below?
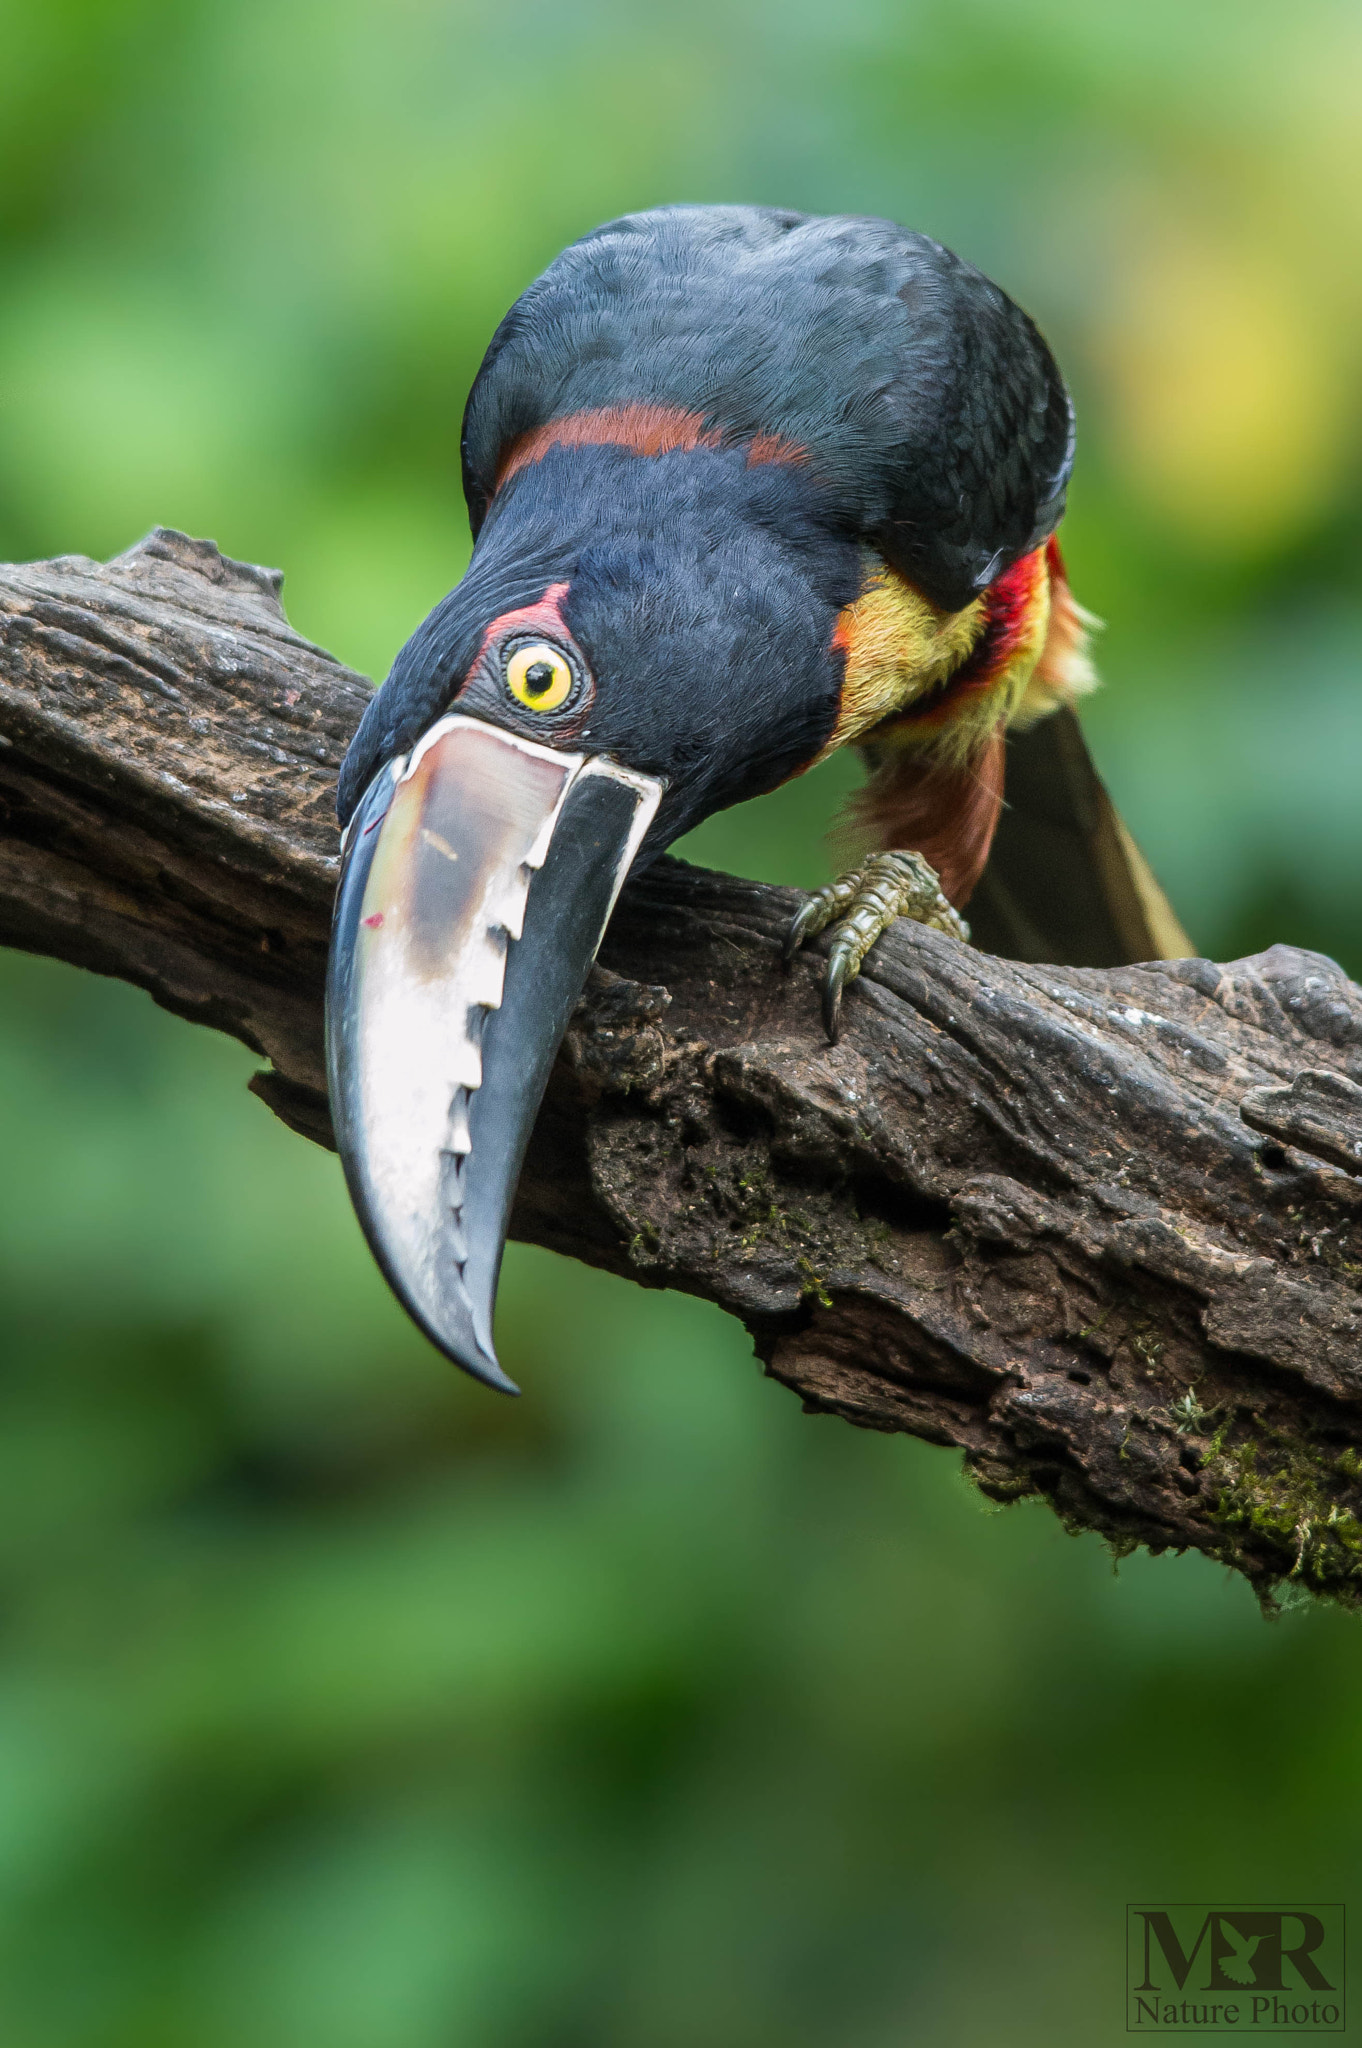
point(930, 407)
point(932, 427)
point(702, 595)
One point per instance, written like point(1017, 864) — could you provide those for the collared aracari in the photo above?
point(746, 486)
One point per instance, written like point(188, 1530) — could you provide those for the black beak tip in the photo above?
point(472, 1352)
point(456, 1323)
point(482, 1365)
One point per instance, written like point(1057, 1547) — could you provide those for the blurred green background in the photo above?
point(341, 1704)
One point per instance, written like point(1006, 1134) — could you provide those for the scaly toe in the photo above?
point(819, 910)
point(863, 904)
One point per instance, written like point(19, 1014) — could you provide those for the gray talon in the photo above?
point(806, 923)
point(841, 969)
point(864, 903)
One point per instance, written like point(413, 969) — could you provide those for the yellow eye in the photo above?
point(539, 677)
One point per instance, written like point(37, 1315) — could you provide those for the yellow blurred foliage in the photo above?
point(1228, 397)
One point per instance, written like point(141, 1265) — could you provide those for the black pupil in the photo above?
point(539, 677)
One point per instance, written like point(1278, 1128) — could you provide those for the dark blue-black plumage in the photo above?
point(703, 590)
point(693, 444)
point(703, 594)
point(931, 409)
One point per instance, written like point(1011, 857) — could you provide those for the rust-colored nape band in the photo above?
point(644, 427)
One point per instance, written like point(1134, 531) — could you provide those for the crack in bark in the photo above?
point(1098, 1229)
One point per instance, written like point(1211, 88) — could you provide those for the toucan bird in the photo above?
point(746, 486)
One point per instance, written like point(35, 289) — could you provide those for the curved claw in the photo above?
point(810, 918)
point(863, 904)
point(842, 968)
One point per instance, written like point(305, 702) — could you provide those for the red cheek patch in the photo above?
point(1011, 603)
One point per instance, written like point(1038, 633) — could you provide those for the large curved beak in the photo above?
point(479, 876)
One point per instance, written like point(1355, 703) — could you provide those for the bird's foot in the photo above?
point(863, 904)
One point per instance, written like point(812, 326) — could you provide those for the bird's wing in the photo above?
point(923, 400)
point(1065, 881)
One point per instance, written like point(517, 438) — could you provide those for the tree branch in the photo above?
point(1100, 1230)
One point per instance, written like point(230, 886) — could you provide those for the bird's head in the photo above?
point(671, 609)
point(676, 494)
point(641, 639)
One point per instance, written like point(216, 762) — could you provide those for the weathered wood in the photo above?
point(1096, 1228)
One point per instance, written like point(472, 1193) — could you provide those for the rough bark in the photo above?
point(1100, 1230)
